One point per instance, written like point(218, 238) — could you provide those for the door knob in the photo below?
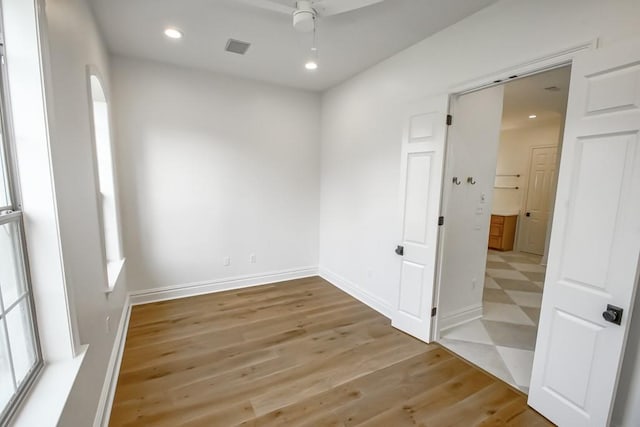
point(613, 314)
point(528, 214)
point(400, 250)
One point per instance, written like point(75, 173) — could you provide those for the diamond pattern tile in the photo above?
point(503, 341)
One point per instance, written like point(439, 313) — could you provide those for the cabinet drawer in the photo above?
point(496, 219)
point(495, 230)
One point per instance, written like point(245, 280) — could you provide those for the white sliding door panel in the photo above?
point(595, 243)
point(421, 187)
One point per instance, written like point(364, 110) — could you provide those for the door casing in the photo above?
point(537, 65)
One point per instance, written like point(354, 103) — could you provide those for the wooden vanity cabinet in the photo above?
point(502, 232)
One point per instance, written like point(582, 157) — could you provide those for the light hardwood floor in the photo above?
point(297, 353)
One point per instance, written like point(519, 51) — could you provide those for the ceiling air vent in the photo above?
point(237, 46)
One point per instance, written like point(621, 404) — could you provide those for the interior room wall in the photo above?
point(361, 126)
point(514, 157)
point(361, 123)
point(212, 166)
point(74, 42)
point(472, 152)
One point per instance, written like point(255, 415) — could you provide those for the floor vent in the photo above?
point(237, 46)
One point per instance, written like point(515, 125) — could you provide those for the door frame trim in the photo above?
point(535, 65)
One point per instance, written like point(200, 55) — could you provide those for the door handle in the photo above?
point(528, 214)
point(613, 314)
point(400, 250)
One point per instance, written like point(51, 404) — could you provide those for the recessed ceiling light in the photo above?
point(311, 65)
point(173, 33)
point(533, 116)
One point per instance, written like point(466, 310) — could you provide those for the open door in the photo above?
point(422, 162)
point(595, 243)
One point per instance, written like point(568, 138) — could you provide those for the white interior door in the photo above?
point(422, 162)
point(595, 242)
point(542, 172)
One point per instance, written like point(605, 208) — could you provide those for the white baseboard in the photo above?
point(226, 284)
point(113, 368)
point(459, 317)
point(357, 292)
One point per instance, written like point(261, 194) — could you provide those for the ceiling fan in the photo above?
point(306, 11)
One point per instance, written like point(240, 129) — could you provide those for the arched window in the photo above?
point(107, 198)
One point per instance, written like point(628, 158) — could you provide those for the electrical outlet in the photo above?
point(226, 261)
point(252, 258)
point(107, 324)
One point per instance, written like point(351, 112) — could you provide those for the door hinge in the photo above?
point(434, 310)
point(441, 220)
point(449, 119)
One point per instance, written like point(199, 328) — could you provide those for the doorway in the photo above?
point(502, 172)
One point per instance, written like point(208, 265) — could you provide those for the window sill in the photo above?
point(45, 402)
point(114, 269)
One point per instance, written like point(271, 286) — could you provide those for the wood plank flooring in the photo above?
point(297, 353)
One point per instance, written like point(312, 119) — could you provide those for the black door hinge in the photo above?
point(441, 220)
point(449, 119)
point(434, 310)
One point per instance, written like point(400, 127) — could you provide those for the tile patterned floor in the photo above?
point(503, 340)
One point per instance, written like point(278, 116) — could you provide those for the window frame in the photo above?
point(8, 215)
point(112, 268)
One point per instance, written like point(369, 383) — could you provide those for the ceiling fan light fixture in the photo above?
point(304, 20)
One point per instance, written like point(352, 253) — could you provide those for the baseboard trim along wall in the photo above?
point(113, 368)
point(459, 317)
point(210, 286)
point(357, 292)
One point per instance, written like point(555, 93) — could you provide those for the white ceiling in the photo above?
point(347, 43)
point(527, 96)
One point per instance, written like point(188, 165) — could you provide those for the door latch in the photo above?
point(400, 250)
point(613, 314)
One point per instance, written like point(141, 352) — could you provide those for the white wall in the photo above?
point(361, 129)
point(212, 166)
point(472, 152)
point(74, 43)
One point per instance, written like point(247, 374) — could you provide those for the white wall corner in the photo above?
point(356, 292)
